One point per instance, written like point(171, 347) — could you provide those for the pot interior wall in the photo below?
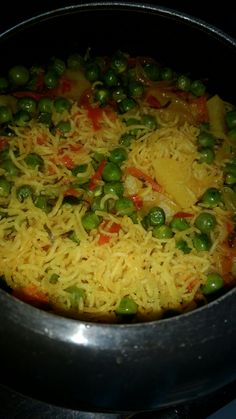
point(179, 43)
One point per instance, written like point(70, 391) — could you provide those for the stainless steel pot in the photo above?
point(129, 367)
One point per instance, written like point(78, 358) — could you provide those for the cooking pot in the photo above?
point(122, 367)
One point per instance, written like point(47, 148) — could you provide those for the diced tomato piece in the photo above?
point(72, 192)
point(153, 102)
point(3, 143)
point(138, 202)
point(67, 161)
point(115, 228)
point(181, 214)
point(103, 238)
point(201, 107)
point(97, 175)
point(95, 114)
point(65, 85)
point(34, 95)
point(75, 147)
point(32, 295)
point(42, 140)
point(142, 176)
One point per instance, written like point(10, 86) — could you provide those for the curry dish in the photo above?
point(117, 188)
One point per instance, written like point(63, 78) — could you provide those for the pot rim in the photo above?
point(47, 321)
point(132, 6)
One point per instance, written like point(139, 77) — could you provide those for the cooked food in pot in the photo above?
point(117, 188)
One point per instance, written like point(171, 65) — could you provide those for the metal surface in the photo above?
point(134, 367)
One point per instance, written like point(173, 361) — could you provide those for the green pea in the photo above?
point(23, 192)
point(118, 155)
point(124, 206)
point(204, 126)
point(27, 104)
point(10, 167)
point(183, 83)
point(4, 154)
point(183, 245)
point(75, 61)
point(116, 188)
point(98, 157)
point(230, 168)
point(230, 179)
point(92, 72)
point(214, 283)
point(21, 118)
point(51, 79)
point(34, 161)
point(207, 155)
point(156, 216)
point(167, 73)
point(146, 222)
point(152, 71)
point(3, 85)
point(7, 132)
point(134, 217)
point(5, 187)
point(229, 198)
point(206, 139)
point(119, 62)
point(5, 114)
point(73, 236)
point(135, 132)
point(162, 232)
point(149, 121)
point(205, 222)
point(64, 127)
point(18, 75)
point(136, 88)
point(232, 134)
point(111, 172)
point(76, 294)
point(57, 66)
point(126, 139)
point(45, 104)
point(234, 189)
point(110, 78)
point(45, 118)
point(119, 94)
point(127, 306)
point(102, 96)
point(201, 242)
point(80, 168)
point(96, 204)
point(42, 203)
point(211, 197)
point(62, 104)
point(90, 220)
point(197, 88)
point(230, 119)
point(179, 224)
point(54, 279)
point(127, 104)
point(132, 121)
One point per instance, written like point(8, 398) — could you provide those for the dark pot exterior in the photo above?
point(136, 366)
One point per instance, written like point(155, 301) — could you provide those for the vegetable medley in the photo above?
point(58, 170)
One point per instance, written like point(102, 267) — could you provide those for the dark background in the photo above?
point(217, 13)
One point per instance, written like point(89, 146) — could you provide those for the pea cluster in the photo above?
point(117, 81)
